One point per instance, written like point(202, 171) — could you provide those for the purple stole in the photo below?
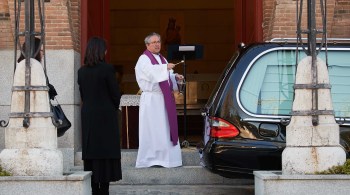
point(168, 99)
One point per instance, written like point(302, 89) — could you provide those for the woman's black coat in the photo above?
point(100, 96)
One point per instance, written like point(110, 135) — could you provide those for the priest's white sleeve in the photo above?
point(173, 80)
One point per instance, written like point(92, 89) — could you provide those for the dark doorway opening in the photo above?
point(219, 28)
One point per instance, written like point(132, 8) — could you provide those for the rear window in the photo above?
point(222, 77)
point(267, 88)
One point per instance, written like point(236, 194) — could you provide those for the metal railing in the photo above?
point(28, 52)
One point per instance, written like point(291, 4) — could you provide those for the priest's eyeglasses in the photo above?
point(155, 42)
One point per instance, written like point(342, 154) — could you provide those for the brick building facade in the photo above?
point(63, 21)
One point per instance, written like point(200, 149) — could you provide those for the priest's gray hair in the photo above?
point(151, 35)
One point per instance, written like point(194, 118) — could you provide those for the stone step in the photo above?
point(153, 179)
point(185, 175)
point(190, 157)
point(116, 189)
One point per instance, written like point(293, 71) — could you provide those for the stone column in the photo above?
point(312, 148)
point(31, 151)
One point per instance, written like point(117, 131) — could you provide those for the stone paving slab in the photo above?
point(181, 190)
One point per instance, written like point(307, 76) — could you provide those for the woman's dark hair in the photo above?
point(95, 51)
point(36, 48)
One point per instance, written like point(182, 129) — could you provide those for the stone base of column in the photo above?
point(308, 160)
point(32, 162)
point(77, 183)
point(276, 183)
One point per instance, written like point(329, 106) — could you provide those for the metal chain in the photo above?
point(312, 50)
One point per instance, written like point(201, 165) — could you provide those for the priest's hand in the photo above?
point(179, 77)
point(171, 66)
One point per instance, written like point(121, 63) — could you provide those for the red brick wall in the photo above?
point(280, 18)
point(62, 24)
point(6, 38)
point(269, 7)
point(341, 19)
point(74, 15)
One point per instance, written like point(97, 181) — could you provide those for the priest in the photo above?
point(158, 129)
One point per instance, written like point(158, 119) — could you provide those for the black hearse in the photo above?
point(248, 110)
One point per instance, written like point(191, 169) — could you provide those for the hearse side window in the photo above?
point(268, 87)
point(339, 75)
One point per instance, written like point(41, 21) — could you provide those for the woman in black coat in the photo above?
point(100, 97)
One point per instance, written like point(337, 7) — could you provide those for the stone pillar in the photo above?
point(312, 148)
point(31, 151)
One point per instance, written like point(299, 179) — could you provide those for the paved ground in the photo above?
point(181, 190)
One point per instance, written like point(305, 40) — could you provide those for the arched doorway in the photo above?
point(218, 27)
